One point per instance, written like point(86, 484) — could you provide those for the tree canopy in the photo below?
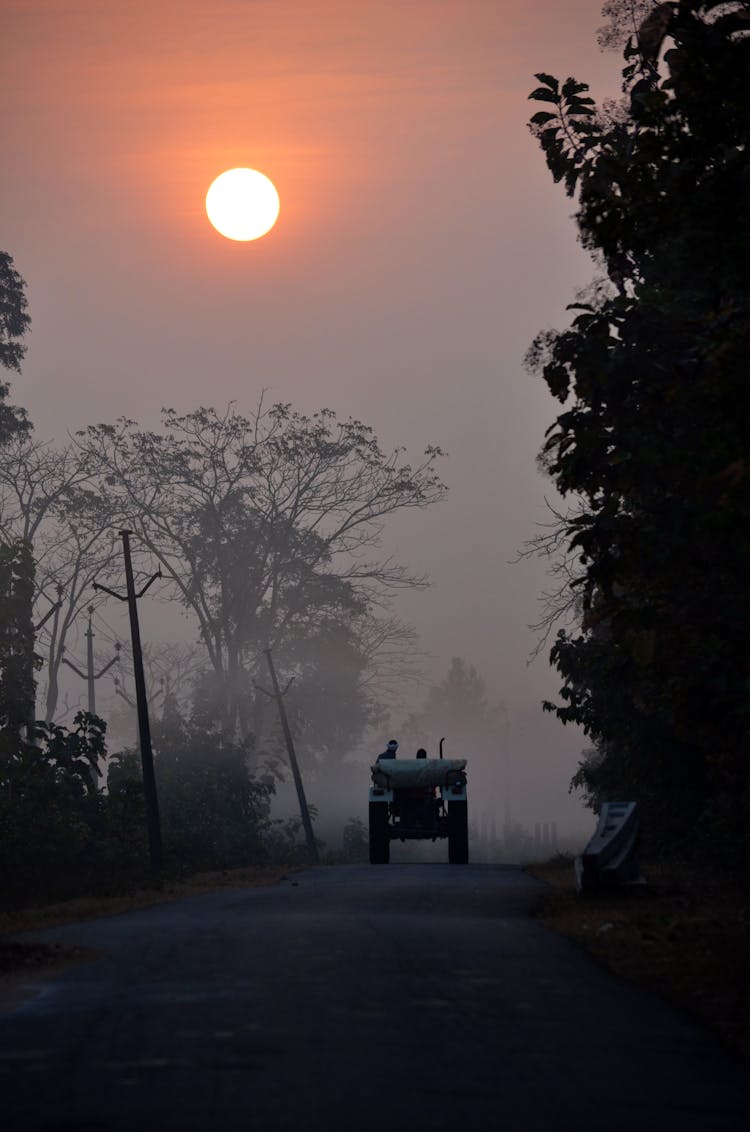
point(14, 326)
point(459, 707)
point(266, 527)
point(17, 656)
point(14, 319)
point(651, 448)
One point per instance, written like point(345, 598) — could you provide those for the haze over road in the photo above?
point(400, 997)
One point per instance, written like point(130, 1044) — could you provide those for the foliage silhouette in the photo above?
point(651, 446)
point(266, 528)
point(14, 326)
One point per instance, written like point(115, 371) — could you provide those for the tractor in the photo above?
point(418, 800)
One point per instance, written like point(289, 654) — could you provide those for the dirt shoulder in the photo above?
point(685, 936)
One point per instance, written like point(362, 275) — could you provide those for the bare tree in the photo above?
point(266, 525)
point(172, 669)
point(47, 499)
point(34, 479)
point(562, 603)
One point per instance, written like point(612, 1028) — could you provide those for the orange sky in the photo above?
point(421, 244)
point(125, 113)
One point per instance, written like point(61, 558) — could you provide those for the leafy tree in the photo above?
point(17, 657)
point(215, 811)
point(458, 708)
point(59, 836)
point(14, 321)
point(652, 442)
point(14, 325)
point(625, 19)
point(73, 756)
point(344, 677)
point(265, 526)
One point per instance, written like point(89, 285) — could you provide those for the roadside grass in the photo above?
point(684, 936)
point(25, 956)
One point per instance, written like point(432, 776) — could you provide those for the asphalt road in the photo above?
point(394, 997)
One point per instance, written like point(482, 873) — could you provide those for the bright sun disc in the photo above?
point(242, 204)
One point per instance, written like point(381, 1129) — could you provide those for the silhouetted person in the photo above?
point(421, 753)
point(390, 751)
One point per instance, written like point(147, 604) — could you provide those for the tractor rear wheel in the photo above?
point(458, 833)
point(380, 845)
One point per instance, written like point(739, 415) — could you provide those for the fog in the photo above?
point(517, 796)
point(421, 245)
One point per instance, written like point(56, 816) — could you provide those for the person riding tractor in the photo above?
point(418, 799)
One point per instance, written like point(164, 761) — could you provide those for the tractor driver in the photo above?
point(390, 751)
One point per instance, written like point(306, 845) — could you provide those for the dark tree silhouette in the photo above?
point(17, 658)
point(459, 705)
point(652, 443)
point(266, 526)
point(14, 325)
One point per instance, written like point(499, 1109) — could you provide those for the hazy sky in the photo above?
point(421, 244)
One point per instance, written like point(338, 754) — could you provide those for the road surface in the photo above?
point(396, 997)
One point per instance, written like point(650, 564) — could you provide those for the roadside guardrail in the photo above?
point(610, 859)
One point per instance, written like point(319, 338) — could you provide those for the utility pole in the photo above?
point(89, 675)
point(278, 695)
point(507, 810)
point(53, 611)
point(144, 729)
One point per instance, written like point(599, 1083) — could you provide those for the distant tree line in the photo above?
point(459, 703)
point(652, 446)
point(266, 528)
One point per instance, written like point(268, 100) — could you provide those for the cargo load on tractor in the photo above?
point(418, 800)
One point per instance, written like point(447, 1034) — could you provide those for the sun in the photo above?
point(242, 204)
